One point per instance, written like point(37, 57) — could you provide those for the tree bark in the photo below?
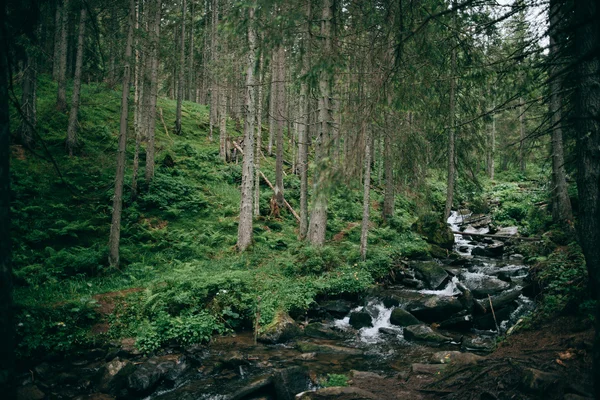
point(190, 83)
point(245, 224)
point(61, 100)
point(321, 181)
point(29, 98)
point(181, 68)
point(155, 34)
point(223, 137)
point(273, 94)
point(115, 227)
point(137, 103)
point(364, 232)
point(522, 162)
point(258, 141)
point(303, 128)
point(451, 131)
point(388, 160)
point(561, 204)
point(280, 113)
point(72, 142)
point(7, 327)
point(57, 38)
point(214, 89)
point(587, 126)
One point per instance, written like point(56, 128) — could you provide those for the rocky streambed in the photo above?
point(433, 312)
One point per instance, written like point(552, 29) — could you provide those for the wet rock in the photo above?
point(504, 276)
point(437, 252)
point(482, 285)
point(516, 256)
point(115, 376)
point(337, 308)
point(571, 396)
point(29, 392)
point(145, 378)
point(290, 381)
point(424, 333)
point(487, 322)
point(95, 396)
point(412, 283)
point(337, 393)
point(463, 249)
point(431, 273)
point(252, 387)
point(435, 230)
point(499, 301)
point(427, 369)
point(354, 374)
point(455, 358)
point(388, 331)
point(495, 249)
point(128, 348)
point(282, 329)
point(459, 322)
point(360, 319)
point(308, 347)
point(539, 382)
point(318, 330)
point(402, 317)
point(480, 343)
point(433, 308)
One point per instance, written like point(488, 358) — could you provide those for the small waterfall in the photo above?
point(450, 290)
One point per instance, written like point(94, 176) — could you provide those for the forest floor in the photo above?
point(557, 354)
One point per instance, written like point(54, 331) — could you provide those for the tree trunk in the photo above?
point(561, 204)
point(137, 103)
point(258, 141)
point(522, 162)
point(214, 89)
point(61, 100)
point(7, 326)
point(190, 84)
point(388, 160)
point(57, 38)
point(321, 181)
point(245, 225)
point(273, 93)
point(587, 126)
point(155, 34)
point(181, 68)
point(115, 227)
point(364, 232)
point(491, 145)
point(72, 142)
point(303, 129)
point(451, 130)
point(29, 99)
point(280, 112)
point(223, 138)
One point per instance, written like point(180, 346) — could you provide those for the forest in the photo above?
point(310, 199)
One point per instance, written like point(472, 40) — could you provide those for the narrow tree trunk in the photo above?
point(258, 150)
point(451, 130)
point(214, 89)
point(190, 84)
point(7, 325)
point(364, 232)
point(273, 94)
point(318, 218)
point(245, 225)
point(61, 100)
point(303, 128)
point(181, 68)
point(561, 204)
point(57, 38)
point(491, 145)
point(72, 142)
point(522, 162)
point(115, 227)
point(280, 113)
point(223, 137)
point(388, 160)
point(29, 99)
point(137, 103)
point(155, 34)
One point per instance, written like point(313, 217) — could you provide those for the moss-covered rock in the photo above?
point(435, 230)
point(402, 317)
point(423, 333)
point(431, 273)
point(282, 329)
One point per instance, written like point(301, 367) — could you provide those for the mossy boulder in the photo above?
point(435, 230)
point(423, 333)
point(431, 273)
point(360, 319)
point(282, 329)
point(402, 317)
point(318, 330)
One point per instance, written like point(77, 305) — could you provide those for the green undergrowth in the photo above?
point(177, 239)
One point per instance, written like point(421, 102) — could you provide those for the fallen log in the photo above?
point(530, 239)
point(270, 185)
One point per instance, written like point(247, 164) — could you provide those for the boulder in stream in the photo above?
point(435, 230)
point(360, 319)
point(423, 333)
point(431, 273)
point(115, 375)
point(481, 285)
point(337, 308)
point(494, 249)
point(433, 307)
point(309, 347)
point(290, 381)
point(318, 330)
point(454, 358)
point(483, 344)
point(337, 393)
point(282, 329)
point(402, 317)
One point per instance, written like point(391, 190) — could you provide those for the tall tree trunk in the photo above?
point(491, 145)
point(258, 141)
point(451, 131)
point(181, 68)
point(190, 84)
point(273, 94)
point(222, 114)
point(280, 113)
point(388, 160)
point(7, 326)
point(29, 98)
point(561, 204)
point(303, 128)
point(72, 142)
point(57, 38)
point(137, 102)
point(155, 34)
point(364, 232)
point(522, 162)
point(318, 218)
point(115, 226)
point(245, 225)
point(214, 89)
point(587, 126)
point(61, 100)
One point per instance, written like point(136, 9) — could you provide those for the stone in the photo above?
point(308, 347)
point(494, 249)
point(128, 348)
point(437, 252)
point(423, 333)
point(454, 358)
point(459, 322)
point(516, 256)
point(539, 382)
point(254, 386)
point(290, 381)
point(389, 331)
point(431, 273)
point(282, 329)
point(402, 317)
point(427, 369)
point(433, 308)
point(95, 396)
point(412, 283)
point(481, 285)
point(337, 308)
point(145, 377)
point(115, 375)
point(29, 392)
point(499, 301)
point(360, 319)
point(487, 322)
point(337, 393)
point(318, 330)
point(435, 230)
point(354, 374)
point(483, 344)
